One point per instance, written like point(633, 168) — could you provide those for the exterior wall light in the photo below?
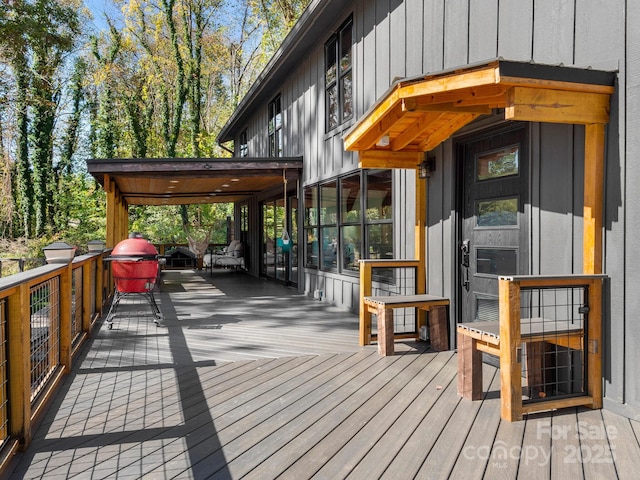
point(59, 252)
point(426, 168)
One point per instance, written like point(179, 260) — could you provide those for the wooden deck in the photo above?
point(247, 379)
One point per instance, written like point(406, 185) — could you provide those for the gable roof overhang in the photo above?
point(417, 114)
point(178, 181)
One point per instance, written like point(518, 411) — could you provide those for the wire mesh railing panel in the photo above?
point(76, 304)
point(4, 376)
point(45, 333)
point(554, 333)
point(403, 283)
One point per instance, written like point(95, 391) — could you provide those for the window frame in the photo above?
point(274, 127)
point(340, 73)
point(243, 144)
point(315, 228)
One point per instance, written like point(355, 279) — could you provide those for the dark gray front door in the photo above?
point(493, 233)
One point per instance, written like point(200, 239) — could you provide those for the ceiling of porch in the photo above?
point(417, 114)
point(192, 181)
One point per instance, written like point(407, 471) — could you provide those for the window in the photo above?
point(275, 128)
point(244, 147)
point(329, 226)
point(312, 258)
point(339, 76)
point(348, 219)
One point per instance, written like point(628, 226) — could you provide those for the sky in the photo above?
point(98, 9)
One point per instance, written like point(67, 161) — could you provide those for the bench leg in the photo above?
point(469, 368)
point(385, 331)
point(438, 335)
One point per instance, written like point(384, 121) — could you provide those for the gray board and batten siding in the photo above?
point(396, 39)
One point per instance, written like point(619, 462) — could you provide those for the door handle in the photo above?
point(464, 264)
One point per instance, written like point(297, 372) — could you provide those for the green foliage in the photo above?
point(160, 84)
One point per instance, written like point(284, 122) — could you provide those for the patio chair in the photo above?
point(230, 256)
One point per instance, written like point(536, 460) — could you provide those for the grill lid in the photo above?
point(134, 249)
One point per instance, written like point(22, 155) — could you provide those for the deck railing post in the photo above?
point(66, 302)
point(510, 364)
point(19, 336)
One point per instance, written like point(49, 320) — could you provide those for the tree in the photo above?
point(105, 123)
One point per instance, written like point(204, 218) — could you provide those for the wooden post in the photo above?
point(110, 190)
point(510, 363)
point(594, 348)
point(593, 201)
point(421, 245)
point(65, 293)
point(19, 375)
point(365, 291)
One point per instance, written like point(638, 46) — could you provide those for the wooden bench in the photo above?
point(383, 307)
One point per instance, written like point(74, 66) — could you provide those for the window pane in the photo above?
point(347, 96)
point(350, 209)
point(379, 204)
point(493, 213)
point(497, 261)
point(380, 241)
point(330, 61)
point(312, 252)
point(279, 150)
point(329, 237)
point(351, 247)
point(328, 204)
point(497, 164)
point(345, 47)
point(311, 206)
point(332, 107)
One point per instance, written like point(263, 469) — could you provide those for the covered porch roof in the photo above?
point(178, 181)
point(417, 114)
point(182, 181)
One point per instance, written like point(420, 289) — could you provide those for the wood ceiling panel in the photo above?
point(159, 182)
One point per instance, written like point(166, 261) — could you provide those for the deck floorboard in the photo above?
point(248, 379)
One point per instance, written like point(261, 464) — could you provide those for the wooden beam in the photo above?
point(378, 129)
point(446, 130)
point(416, 129)
point(411, 105)
point(487, 75)
point(361, 135)
point(389, 159)
point(539, 83)
point(593, 201)
point(556, 106)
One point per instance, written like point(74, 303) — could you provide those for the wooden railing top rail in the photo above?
point(39, 274)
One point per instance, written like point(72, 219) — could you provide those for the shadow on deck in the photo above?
point(247, 379)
